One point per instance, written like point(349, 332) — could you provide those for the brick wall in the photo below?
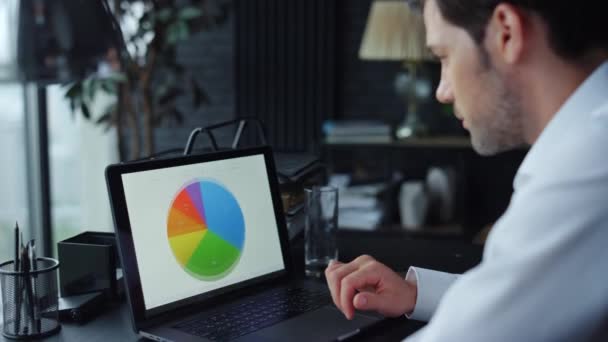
point(209, 56)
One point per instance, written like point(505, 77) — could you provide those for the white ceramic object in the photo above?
point(440, 185)
point(413, 204)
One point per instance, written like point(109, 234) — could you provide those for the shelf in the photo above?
point(440, 142)
point(422, 142)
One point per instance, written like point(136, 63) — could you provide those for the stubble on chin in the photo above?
point(500, 127)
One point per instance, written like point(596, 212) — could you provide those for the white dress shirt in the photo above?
point(544, 273)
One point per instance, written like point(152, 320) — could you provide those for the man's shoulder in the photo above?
point(583, 151)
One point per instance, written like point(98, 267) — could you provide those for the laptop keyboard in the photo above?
point(255, 313)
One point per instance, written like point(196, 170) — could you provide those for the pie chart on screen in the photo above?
point(206, 229)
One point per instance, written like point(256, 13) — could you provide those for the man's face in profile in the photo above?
point(482, 96)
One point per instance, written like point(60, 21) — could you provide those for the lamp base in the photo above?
point(411, 127)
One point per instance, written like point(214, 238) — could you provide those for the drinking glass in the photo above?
point(320, 246)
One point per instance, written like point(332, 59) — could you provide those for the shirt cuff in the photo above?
point(431, 285)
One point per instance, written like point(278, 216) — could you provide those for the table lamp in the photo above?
point(395, 32)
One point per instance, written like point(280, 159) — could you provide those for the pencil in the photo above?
point(17, 283)
point(25, 262)
point(16, 246)
point(36, 303)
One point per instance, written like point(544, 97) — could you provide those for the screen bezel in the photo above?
point(126, 246)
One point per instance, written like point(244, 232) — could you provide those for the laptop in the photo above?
point(205, 253)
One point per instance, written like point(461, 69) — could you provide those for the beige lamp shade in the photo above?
point(394, 32)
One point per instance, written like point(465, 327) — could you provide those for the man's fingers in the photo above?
point(365, 284)
point(333, 264)
point(361, 301)
point(368, 301)
point(334, 279)
point(335, 273)
point(363, 259)
point(394, 302)
point(350, 286)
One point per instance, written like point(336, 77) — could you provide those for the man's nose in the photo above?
point(444, 92)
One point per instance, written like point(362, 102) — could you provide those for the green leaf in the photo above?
point(109, 86)
point(177, 32)
point(107, 119)
point(85, 110)
point(164, 15)
point(117, 77)
point(146, 21)
point(110, 113)
point(73, 108)
point(199, 96)
point(189, 13)
point(104, 118)
point(86, 87)
point(74, 91)
point(93, 86)
point(170, 96)
point(160, 90)
point(141, 32)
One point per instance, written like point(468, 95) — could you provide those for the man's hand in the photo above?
point(366, 284)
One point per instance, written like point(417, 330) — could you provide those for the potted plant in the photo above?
point(146, 81)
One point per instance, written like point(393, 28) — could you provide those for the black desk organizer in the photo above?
point(88, 264)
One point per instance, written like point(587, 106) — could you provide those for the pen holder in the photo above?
point(30, 300)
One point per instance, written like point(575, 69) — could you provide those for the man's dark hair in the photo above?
point(574, 27)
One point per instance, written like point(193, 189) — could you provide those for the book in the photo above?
point(356, 127)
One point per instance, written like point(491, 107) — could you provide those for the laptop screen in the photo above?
point(201, 227)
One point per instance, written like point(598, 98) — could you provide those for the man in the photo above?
point(518, 72)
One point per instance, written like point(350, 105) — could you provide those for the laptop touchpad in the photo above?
point(324, 324)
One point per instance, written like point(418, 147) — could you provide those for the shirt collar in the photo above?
point(585, 100)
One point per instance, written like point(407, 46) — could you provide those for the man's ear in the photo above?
point(506, 33)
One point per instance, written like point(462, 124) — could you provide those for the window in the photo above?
point(8, 11)
point(79, 152)
point(13, 175)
